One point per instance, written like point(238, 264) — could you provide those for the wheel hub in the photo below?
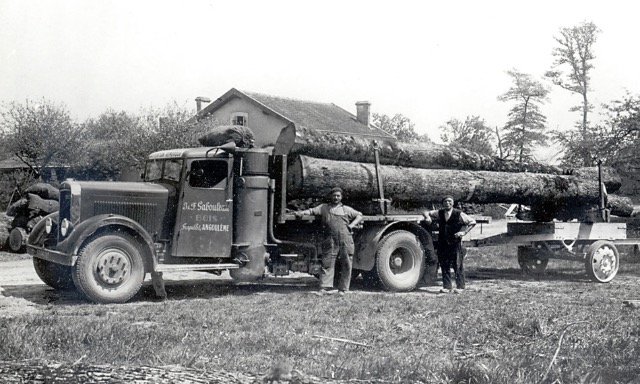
point(606, 259)
point(113, 267)
point(396, 261)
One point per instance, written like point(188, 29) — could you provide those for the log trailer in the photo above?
point(592, 240)
point(208, 209)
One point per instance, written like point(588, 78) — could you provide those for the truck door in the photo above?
point(204, 220)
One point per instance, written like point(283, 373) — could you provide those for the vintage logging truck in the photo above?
point(224, 208)
point(203, 209)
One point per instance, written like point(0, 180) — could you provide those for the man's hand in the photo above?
point(298, 214)
point(460, 234)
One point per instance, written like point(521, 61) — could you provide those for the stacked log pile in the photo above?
point(5, 226)
point(418, 175)
point(40, 200)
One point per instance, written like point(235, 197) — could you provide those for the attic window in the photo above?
point(240, 118)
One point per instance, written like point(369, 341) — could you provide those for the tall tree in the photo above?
point(621, 138)
point(399, 126)
point(526, 125)
point(571, 71)
point(40, 133)
point(472, 134)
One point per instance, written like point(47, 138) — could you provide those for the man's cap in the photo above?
point(448, 197)
point(336, 189)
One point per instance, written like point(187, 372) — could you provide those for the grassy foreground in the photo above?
point(507, 328)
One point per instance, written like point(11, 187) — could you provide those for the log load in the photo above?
point(41, 199)
point(414, 188)
point(5, 226)
point(325, 145)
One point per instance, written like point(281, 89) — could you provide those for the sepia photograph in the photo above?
point(284, 191)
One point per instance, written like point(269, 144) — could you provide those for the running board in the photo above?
point(194, 267)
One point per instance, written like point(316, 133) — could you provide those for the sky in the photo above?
point(429, 61)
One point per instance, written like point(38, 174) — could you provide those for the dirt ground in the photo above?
point(22, 291)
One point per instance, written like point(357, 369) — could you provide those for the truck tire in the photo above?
point(602, 261)
point(17, 240)
point(54, 275)
point(109, 268)
point(399, 261)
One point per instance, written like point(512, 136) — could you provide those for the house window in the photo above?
point(240, 118)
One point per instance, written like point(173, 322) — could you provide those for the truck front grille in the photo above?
point(143, 213)
point(65, 204)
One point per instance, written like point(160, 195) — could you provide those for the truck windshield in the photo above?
point(157, 170)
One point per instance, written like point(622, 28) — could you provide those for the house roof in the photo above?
point(320, 117)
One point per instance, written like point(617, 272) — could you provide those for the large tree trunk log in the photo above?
point(430, 156)
point(620, 205)
point(419, 188)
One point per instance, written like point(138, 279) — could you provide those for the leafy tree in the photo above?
point(619, 142)
point(401, 127)
point(526, 125)
point(105, 156)
point(40, 133)
point(575, 53)
point(122, 141)
point(472, 134)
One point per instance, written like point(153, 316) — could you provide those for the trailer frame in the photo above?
point(593, 243)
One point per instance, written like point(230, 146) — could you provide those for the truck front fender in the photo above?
point(38, 233)
point(71, 245)
point(367, 240)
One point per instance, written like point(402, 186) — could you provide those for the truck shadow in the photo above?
point(212, 288)
point(216, 287)
point(516, 274)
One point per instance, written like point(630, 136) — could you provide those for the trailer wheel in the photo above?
point(602, 261)
point(55, 275)
point(399, 260)
point(530, 260)
point(110, 268)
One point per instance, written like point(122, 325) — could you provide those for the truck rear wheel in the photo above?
point(531, 260)
point(56, 276)
point(110, 268)
point(399, 260)
point(602, 261)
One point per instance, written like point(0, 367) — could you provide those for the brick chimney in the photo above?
point(363, 112)
point(199, 101)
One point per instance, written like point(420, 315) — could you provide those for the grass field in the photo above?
point(506, 328)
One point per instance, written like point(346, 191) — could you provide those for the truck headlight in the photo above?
point(65, 227)
point(48, 225)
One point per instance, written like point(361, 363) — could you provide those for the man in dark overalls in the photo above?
point(338, 221)
point(453, 225)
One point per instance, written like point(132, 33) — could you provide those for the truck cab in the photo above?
point(196, 209)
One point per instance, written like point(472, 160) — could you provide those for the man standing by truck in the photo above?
point(453, 225)
point(338, 221)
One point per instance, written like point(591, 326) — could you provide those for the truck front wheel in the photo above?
point(54, 275)
point(399, 260)
point(109, 268)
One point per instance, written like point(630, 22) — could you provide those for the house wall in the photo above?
point(266, 128)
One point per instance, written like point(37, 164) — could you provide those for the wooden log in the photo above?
point(39, 206)
point(429, 156)
point(313, 177)
point(620, 205)
point(19, 207)
point(44, 190)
